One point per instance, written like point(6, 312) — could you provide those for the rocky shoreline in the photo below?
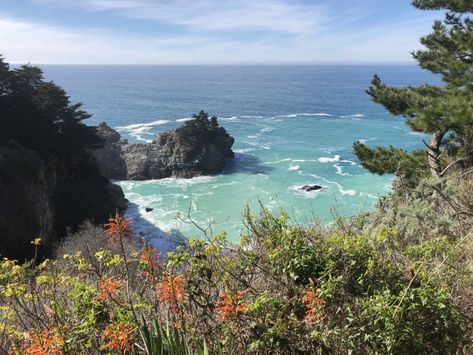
point(199, 147)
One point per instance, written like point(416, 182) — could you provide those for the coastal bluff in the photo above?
point(199, 147)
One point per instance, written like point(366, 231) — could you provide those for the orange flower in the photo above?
point(231, 304)
point(149, 259)
point(171, 290)
point(117, 228)
point(314, 305)
point(45, 342)
point(108, 288)
point(118, 336)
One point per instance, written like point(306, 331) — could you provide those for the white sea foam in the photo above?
point(365, 194)
point(266, 129)
point(229, 119)
point(247, 116)
point(139, 130)
point(279, 161)
point(283, 116)
point(141, 126)
point(320, 114)
point(348, 192)
point(351, 162)
point(185, 182)
point(419, 134)
point(331, 150)
point(304, 160)
point(259, 145)
point(305, 194)
point(294, 168)
point(243, 150)
point(173, 182)
point(364, 141)
point(185, 119)
point(329, 160)
point(355, 116)
point(341, 189)
point(253, 137)
point(339, 170)
point(304, 114)
point(147, 225)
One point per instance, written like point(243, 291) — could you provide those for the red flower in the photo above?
point(231, 304)
point(117, 228)
point(108, 288)
point(118, 336)
point(171, 290)
point(45, 342)
point(314, 305)
point(149, 259)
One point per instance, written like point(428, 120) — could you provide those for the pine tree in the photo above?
point(38, 114)
point(444, 112)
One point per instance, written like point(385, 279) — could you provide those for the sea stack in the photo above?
point(199, 147)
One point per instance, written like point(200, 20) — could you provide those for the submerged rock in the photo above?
point(195, 149)
point(309, 188)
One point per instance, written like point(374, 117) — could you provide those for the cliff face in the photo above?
point(109, 157)
point(185, 152)
point(41, 197)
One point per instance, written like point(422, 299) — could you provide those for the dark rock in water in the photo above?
point(149, 209)
point(309, 188)
point(185, 152)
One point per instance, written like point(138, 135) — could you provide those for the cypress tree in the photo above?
point(444, 112)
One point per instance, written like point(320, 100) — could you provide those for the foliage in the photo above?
point(38, 114)
point(200, 124)
point(398, 280)
point(445, 112)
point(372, 284)
point(411, 167)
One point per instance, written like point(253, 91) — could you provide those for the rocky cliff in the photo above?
point(195, 149)
point(48, 179)
point(41, 197)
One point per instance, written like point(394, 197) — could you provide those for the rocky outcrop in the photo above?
point(184, 152)
point(42, 196)
point(109, 157)
point(309, 188)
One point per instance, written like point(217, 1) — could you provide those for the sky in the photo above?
point(211, 31)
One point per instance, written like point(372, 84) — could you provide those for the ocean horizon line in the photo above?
point(222, 64)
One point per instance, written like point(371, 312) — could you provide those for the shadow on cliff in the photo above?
point(246, 163)
point(163, 241)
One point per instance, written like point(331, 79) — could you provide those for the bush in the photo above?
point(283, 289)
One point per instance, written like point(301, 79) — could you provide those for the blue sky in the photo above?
point(210, 31)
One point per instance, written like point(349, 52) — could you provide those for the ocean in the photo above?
point(293, 125)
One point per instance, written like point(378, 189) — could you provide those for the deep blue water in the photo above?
point(293, 125)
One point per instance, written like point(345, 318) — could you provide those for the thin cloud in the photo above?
point(210, 15)
point(296, 38)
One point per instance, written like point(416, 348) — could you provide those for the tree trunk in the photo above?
point(434, 153)
point(468, 146)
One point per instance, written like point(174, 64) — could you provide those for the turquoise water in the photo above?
point(293, 125)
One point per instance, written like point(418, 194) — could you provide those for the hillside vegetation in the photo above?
point(397, 280)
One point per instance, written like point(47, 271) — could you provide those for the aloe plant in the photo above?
point(170, 341)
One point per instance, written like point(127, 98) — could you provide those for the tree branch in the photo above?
point(450, 165)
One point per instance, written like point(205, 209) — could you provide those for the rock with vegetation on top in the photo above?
point(199, 147)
